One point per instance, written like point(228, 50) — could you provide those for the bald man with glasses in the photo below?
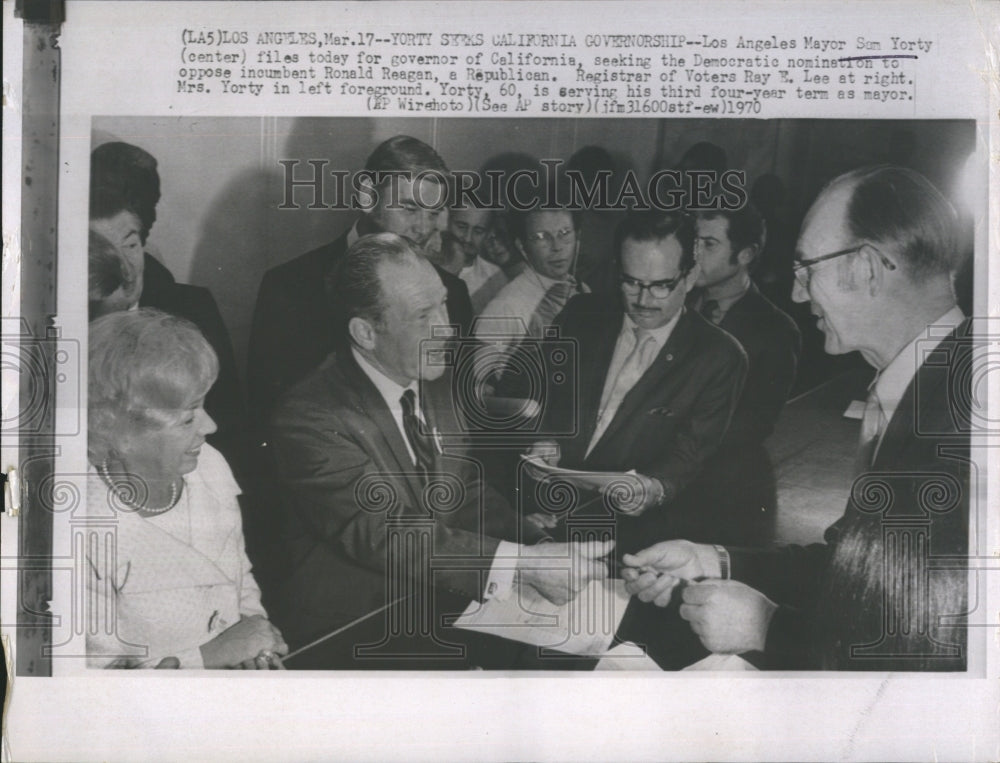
point(657, 383)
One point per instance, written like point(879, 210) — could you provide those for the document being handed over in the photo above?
point(584, 626)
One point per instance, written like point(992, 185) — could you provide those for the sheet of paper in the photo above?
point(541, 470)
point(584, 626)
point(856, 410)
point(629, 657)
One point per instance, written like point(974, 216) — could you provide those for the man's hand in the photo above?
point(728, 616)
point(241, 644)
point(546, 450)
point(559, 571)
point(542, 520)
point(652, 574)
point(635, 496)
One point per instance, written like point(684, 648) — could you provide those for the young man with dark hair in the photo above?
point(737, 484)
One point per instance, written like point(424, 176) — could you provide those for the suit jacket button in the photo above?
point(669, 357)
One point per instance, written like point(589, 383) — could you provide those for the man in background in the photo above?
point(548, 240)
point(114, 216)
point(657, 383)
point(468, 229)
point(737, 483)
point(293, 323)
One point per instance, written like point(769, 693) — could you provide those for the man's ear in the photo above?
point(362, 333)
point(747, 255)
point(873, 270)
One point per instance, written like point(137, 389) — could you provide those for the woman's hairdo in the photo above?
point(144, 365)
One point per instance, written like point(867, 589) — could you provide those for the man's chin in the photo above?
point(432, 371)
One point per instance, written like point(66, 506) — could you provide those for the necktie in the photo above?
point(551, 305)
point(631, 371)
point(420, 441)
point(709, 308)
point(872, 428)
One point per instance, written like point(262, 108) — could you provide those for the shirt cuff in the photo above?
point(501, 579)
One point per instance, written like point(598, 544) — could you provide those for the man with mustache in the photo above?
point(657, 383)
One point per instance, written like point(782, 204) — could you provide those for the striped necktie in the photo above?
point(420, 441)
point(550, 306)
point(873, 424)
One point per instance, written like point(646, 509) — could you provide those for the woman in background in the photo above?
point(175, 588)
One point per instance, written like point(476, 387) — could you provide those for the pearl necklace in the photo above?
point(103, 469)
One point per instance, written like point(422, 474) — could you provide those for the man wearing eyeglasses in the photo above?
point(875, 261)
point(548, 239)
point(657, 383)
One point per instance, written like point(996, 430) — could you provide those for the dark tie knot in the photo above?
point(709, 308)
point(409, 402)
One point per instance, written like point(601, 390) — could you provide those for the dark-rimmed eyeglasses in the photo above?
point(657, 289)
point(801, 267)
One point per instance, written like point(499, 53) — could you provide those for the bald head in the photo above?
point(900, 210)
point(874, 261)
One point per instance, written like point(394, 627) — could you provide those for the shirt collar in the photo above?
point(660, 335)
point(891, 383)
point(390, 391)
point(545, 281)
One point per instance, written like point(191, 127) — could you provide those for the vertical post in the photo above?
point(39, 223)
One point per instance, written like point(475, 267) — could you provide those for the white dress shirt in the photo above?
point(501, 578)
point(391, 392)
point(511, 309)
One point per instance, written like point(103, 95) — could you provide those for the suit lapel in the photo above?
point(743, 308)
point(903, 426)
point(387, 437)
point(672, 352)
point(594, 375)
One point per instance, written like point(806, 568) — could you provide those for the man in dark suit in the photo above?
point(737, 482)
point(887, 589)
point(293, 325)
point(370, 452)
point(113, 216)
point(658, 383)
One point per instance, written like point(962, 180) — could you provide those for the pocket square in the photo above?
point(660, 412)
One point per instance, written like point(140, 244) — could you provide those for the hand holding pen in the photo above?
point(653, 573)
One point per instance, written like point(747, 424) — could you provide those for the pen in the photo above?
point(620, 566)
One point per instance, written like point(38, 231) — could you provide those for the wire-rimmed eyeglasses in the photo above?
point(563, 235)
